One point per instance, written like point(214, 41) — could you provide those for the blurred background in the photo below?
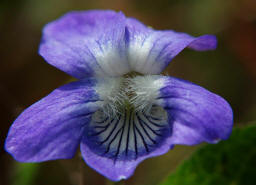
point(25, 77)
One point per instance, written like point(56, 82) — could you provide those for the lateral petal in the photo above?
point(52, 127)
point(196, 115)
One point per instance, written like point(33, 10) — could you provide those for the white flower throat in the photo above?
point(130, 122)
point(130, 92)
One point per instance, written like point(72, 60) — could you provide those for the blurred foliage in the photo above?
point(40, 173)
point(231, 162)
point(25, 173)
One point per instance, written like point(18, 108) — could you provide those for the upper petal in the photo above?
point(52, 127)
point(196, 115)
point(150, 51)
point(86, 43)
point(105, 43)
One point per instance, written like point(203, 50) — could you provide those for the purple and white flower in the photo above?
point(121, 110)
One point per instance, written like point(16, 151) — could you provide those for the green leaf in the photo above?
point(25, 173)
point(230, 162)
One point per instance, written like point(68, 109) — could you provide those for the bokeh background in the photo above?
point(25, 77)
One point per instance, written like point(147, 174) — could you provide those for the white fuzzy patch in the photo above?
point(110, 92)
point(146, 89)
point(140, 92)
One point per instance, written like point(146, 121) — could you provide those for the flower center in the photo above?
point(129, 92)
point(129, 124)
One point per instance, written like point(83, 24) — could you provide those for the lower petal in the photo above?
point(120, 169)
point(52, 127)
point(115, 146)
point(177, 112)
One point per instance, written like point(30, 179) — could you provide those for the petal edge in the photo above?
point(52, 127)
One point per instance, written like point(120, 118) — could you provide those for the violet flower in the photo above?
point(121, 110)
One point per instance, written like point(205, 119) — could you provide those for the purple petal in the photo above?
point(182, 113)
point(52, 127)
point(105, 43)
point(120, 169)
point(150, 51)
point(204, 43)
point(86, 43)
point(195, 114)
point(114, 146)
